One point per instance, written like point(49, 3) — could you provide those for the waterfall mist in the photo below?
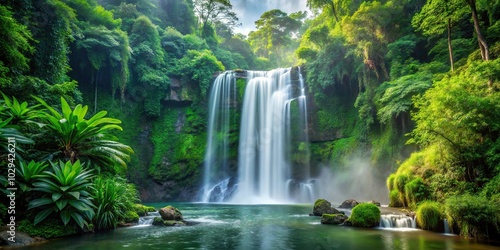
point(356, 180)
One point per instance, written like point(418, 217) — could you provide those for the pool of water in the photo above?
point(224, 226)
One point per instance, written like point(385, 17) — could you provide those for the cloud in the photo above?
point(249, 11)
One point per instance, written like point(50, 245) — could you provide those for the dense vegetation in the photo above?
point(387, 78)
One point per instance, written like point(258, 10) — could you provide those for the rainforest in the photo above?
point(176, 124)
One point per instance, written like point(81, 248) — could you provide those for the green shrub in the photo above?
point(365, 215)
point(65, 193)
point(49, 228)
point(390, 182)
point(416, 191)
point(399, 184)
point(428, 215)
point(131, 217)
point(394, 200)
point(113, 197)
point(473, 215)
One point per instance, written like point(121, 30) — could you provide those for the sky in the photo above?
point(249, 11)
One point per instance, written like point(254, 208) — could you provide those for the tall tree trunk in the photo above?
point(450, 49)
point(483, 46)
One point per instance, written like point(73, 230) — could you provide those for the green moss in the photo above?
point(365, 215)
point(131, 217)
point(428, 215)
point(49, 228)
point(240, 86)
point(319, 202)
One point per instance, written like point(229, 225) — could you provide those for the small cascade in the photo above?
point(446, 227)
point(397, 221)
point(221, 191)
point(148, 219)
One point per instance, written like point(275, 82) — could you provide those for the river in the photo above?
point(224, 226)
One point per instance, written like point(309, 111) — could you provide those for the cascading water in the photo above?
point(265, 141)
point(397, 221)
point(221, 100)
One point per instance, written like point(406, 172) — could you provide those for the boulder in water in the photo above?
point(376, 203)
point(351, 203)
point(157, 221)
point(322, 206)
point(171, 213)
point(333, 219)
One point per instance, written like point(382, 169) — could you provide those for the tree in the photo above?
point(149, 59)
point(210, 11)
point(483, 45)
point(178, 14)
point(328, 4)
point(274, 32)
point(14, 45)
point(437, 17)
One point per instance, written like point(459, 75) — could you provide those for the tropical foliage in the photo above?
point(66, 191)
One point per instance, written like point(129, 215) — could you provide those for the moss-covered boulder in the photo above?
point(143, 210)
point(322, 206)
point(333, 219)
point(171, 213)
point(131, 217)
point(157, 221)
point(365, 215)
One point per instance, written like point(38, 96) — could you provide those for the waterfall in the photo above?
point(397, 221)
point(446, 227)
point(267, 133)
point(222, 96)
point(148, 219)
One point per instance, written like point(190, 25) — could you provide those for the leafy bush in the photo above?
point(394, 200)
point(113, 198)
point(28, 173)
point(65, 192)
point(428, 215)
point(81, 138)
point(475, 216)
point(365, 215)
point(416, 191)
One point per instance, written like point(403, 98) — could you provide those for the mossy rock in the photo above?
point(131, 217)
point(333, 219)
point(171, 223)
point(140, 209)
point(322, 206)
point(365, 215)
point(171, 213)
point(150, 209)
point(157, 221)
